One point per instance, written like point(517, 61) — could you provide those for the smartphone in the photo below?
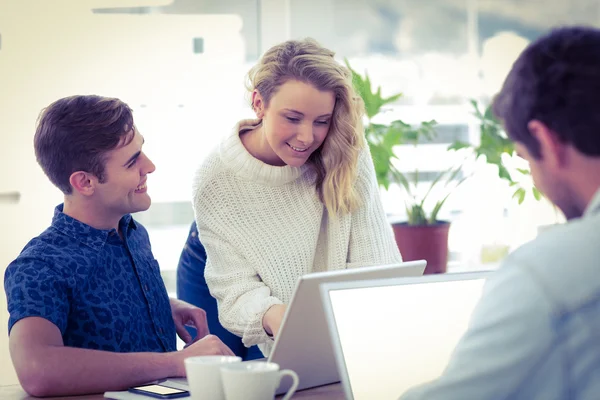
point(159, 391)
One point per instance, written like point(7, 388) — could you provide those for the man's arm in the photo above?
point(46, 367)
point(509, 335)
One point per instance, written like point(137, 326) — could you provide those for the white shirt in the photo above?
point(536, 332)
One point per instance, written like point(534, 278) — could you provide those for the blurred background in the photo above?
point(181, 66)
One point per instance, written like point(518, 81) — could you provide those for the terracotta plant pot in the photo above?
point(424, 242)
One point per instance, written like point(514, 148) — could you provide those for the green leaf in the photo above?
point(523, 171)
point(489, 115)
point(394, 134)
point(392, 98)
point(372, 99)
point(417, 216)
point(503, 173)
point(398, 177)
point(476, 112)
point(411, 136)
point(520, 195)
point(458, 145)
point(429, 124)
point(436, 209)
point(536, 193)
point(408, 213)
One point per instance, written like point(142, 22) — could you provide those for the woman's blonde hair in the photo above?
point(335, 162)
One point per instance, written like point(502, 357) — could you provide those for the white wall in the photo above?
point(52, 49)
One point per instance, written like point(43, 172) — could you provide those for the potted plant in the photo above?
point(423, 235)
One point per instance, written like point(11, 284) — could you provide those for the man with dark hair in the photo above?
point(89, 311)
point(535, 333)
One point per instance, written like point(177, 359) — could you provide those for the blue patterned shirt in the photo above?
point(100, 291)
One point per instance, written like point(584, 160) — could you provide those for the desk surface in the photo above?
point(330, 392)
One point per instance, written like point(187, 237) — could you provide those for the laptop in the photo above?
point(390, 335)
point(303, 344)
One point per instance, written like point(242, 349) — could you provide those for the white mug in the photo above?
point(204, 376)
point(255, 380)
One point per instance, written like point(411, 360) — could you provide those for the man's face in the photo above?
point(124, 190)
point(549, 179)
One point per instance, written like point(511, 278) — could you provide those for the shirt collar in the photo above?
point(594, 206)
point(85, 234)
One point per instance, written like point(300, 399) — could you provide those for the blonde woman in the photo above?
point(289, 193)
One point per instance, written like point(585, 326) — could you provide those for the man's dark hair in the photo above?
point(556, 81)
point(74, 134)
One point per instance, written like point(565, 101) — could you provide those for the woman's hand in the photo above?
point(273, 318)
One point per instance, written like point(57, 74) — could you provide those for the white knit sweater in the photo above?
point(264, 226)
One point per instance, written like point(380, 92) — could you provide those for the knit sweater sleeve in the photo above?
point(372, 239)
point(241, 295)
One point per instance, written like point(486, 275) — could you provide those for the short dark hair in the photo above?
point(556, 80)
point(74, 134)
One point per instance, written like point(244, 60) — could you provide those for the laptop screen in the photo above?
point(396, 336)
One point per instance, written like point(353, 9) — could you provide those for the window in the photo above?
point(181, 66)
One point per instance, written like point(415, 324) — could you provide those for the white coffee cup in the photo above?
point(255, 380)
point(204, 376)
